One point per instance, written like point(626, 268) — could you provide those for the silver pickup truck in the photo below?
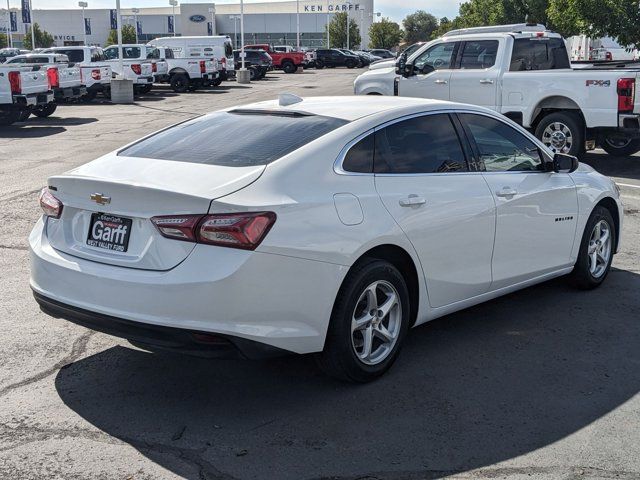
point(21, 90)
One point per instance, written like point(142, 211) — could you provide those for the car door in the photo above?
point(475, 78)
point(536, 210)
point(434, 81)
point(446, 211)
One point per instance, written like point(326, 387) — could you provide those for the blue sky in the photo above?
point(394, 9)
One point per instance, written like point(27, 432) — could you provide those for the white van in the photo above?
point(219, 47)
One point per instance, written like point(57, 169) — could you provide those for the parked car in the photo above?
point(95, 71)
point(382, 53)
point(142, 64)
point(258, 62)
point(280, 242)
point(6, 53)
point(363, 60)
point(524, 73)
point(21, 91)
point(286, 61)
point(390, 62)
point(333, 57)
point(65, 79)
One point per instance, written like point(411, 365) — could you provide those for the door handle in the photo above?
point(506, 192)
point(440, 82)
point(412, 200)
point(486, 81)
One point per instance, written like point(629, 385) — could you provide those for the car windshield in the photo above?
point(239, 138)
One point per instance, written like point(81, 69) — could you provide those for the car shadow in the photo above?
point(625, 167)
point(477, 387)
point(28, 130)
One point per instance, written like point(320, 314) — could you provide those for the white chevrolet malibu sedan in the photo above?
point(326, 225)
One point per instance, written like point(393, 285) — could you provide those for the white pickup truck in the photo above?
point(65, 79)
point(22, 90)
point(523, 72)
point(94, 70)
point(135, 65)
point(187, 74)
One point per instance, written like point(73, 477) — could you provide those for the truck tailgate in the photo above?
point(33, 81)
point(69, 77)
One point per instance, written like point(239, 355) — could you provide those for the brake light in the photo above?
point(203, 66)
point(626, 94)
point(235, 230)
point(15, 82)
point(154, 67)
point(51, 206)
point(95, 74)
point(53, 78)
point(223, 61)
point(137, 69)
point(608, 56)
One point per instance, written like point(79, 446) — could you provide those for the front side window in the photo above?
point(168, 53)
point(97, 55)
point(259, 138)
point(501, 147)
point(539, 53)
point(153, 53)
point(478, 54)
point(438, 57)
point(111, 53)
point(426, 144)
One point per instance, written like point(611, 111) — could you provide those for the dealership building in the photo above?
point(273, 23)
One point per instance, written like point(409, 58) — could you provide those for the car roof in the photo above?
point(352, 108)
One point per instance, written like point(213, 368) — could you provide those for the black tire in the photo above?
point(45, 111)
point(350, 64)
point(145, 89)
point(620, 146)
point(9, 117)
point(582, 276)
point(339, 358)
point(572, 128)
point(288, 67)
point(179, 83)
point(91, 95)
point(217, 82)
point(319, 65)
point(253, 75)
point(24, 114)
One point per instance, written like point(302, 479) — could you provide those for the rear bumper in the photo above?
point(33, 99)
point(276, 300)
point(69, 93)
point(143, 80)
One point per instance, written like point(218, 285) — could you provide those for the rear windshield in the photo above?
point(75, 56)
point(234, 139)
point(539, 54)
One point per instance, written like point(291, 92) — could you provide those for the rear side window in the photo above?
point(168, 53)
point(426, 144)
point(153, 53)
point(240, 139)
point(359, 158)
point(539, 53)
point(75, 56)
point(478, 54)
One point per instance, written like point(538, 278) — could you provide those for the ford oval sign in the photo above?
point(197, 18)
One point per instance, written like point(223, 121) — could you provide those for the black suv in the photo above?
point(335, 58)
point(258, 62)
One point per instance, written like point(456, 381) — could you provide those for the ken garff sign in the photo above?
point(332, 8)
point(197, 18)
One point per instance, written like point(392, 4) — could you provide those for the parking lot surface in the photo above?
point(542, 383)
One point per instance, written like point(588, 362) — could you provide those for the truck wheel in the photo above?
point(24, 115)
point(45, 111)
point(619, 146)
point(562, 132)
point(217, 82)
point(9, 117)
point(319, 65)
point(179, 83)
point(90, 95)
point(288, 67)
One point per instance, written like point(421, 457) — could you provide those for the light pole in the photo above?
point(348, 8)
point(235, 30)
point(361, 27)
point(298, 25)
point(9, 39)
point(33, 36)
point(212, 11)
point(173, 3)
point(135, 21)
point(84, 5)
point(242, 32)
point(328, 21)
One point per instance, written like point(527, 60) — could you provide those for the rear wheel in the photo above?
point(319, 64)
point(9, 117)
point(24, 114)
point(179, 83)
point(350, 64)
point(288, 67)
point(596, 250)
point(562, 132)
point(253, 74)
point(620, 146)
point(369, 321)
point(45, 110)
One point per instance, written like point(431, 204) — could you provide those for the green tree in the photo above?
point(419, 26)
point(385, 34)
point(3, 40)
point(43, 38)
point(128, 35)
point(338, 31)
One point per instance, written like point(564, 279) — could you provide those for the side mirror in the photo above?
point(400, 64)
point(563, 163)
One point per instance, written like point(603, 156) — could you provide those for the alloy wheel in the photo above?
point(599, 249)
point(558, 137)
point(376, 322)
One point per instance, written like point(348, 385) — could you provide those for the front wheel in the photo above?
point(350, 64)
point(288, 67)
point(45, 110)
point(319, 65)
point(620, 146)
point(596, 250)
point(562, 132)
point(369, 321)
point(179, 83)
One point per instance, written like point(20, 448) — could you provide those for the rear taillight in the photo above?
point(608, 56)
point(203, 66)
point(235, 230)
point(223, 61)
point(626, 94)
point(95, 74)
point(15, 82)
point(154, 67)
point(53, 78)
point(51, 206)
point(137, 69)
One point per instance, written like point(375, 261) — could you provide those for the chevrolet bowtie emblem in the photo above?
point(100, 199)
